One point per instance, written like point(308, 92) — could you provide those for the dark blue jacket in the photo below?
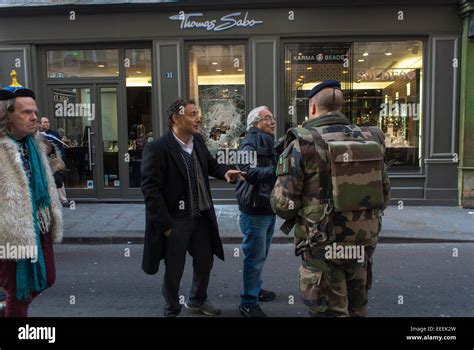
point(253, 195)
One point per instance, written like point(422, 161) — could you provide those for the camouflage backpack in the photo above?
point(355, 162)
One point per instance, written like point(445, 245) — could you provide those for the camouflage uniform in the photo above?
point(302, 196)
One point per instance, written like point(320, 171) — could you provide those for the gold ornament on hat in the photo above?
point(14, 79)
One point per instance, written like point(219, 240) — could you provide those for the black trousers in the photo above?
point(192, 235)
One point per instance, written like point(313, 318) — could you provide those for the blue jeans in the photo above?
point(258, 233)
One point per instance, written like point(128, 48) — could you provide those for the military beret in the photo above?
point(325, 84)
point(12, 92)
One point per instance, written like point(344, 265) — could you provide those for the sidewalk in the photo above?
point(122, 223)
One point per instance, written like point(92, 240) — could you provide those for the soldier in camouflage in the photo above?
point(332, 187)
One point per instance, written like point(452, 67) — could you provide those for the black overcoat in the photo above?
point(165, 188)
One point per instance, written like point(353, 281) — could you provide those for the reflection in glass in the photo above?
point(217, 84)
point(73, 114)
point(82, 63)
point(139, 123)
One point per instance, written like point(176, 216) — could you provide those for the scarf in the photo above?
point(31, 276)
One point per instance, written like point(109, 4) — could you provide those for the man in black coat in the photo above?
point(180, 215)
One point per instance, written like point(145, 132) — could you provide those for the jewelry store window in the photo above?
point(217, 84)
point(382, 86)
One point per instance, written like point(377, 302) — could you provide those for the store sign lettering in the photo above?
point(225, 22)
point(307, 58)
point(385, 75)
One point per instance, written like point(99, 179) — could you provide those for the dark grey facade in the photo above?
point(28, 34)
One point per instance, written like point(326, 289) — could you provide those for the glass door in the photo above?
point(86, 118)
point(74, 118)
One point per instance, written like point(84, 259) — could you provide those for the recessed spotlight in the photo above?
point(240, 70)
point(215, 63)
point(101, 66)
point(365, 54)
point(309, 68)
point(388, 53)
point(361, 60)
point(218, 70)
point(138, 72)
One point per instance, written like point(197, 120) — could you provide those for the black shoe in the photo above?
point(266, 295)
point(252, 311)
point(66, 204)
point(171, 313)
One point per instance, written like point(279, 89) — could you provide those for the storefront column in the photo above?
point(264, 56)
point(466, 124)
point(442, 158)
point(168, 75)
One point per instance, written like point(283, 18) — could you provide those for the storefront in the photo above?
point(105, 76)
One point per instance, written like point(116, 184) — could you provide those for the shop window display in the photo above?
point(217, 84)
point(382, 86)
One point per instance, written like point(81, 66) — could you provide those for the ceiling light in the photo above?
point(215, 63)
point(240, 70)
point(361, 60)
point(365, 54)
point(101, 66)
point(218, 70)
point(138, 72)
point(309, 68)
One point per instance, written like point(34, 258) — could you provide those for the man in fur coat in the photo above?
point(30, 212)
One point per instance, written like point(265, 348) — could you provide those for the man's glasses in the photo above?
point(268, 118)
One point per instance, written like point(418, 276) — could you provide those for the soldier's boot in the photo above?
point(313, 313)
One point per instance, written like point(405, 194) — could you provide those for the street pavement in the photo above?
point(410, 280)
point(122, 223)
